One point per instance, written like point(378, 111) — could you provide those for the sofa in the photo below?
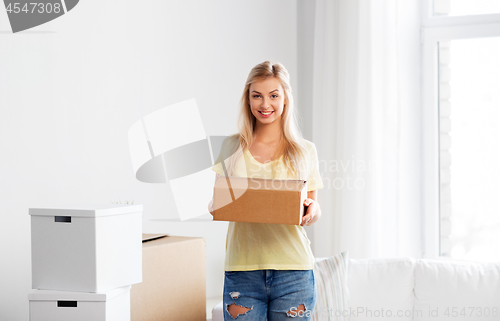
point(404, 289)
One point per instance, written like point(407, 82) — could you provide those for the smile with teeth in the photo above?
point(266, 113)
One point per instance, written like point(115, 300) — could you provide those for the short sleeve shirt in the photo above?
point(259, 246)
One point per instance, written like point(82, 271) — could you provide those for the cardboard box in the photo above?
point(113, 305)
point(256, 200)
point(87, 248)
point(174, 280)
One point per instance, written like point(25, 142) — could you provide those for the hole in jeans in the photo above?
point(235, 310)
point(296, 311)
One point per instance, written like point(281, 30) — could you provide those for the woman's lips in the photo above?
point(267, 114)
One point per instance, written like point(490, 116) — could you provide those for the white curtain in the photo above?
point(366, 127)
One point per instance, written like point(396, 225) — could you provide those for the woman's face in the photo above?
point(267, 99)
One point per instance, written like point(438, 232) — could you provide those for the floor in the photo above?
point(211, 302)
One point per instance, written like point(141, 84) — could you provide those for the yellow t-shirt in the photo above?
point(259, 246)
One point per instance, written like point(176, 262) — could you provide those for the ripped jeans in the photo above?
point(269, 294)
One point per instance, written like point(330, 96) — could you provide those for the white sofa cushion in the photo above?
point(448, 289)
point(332, 301)
point(381, 289)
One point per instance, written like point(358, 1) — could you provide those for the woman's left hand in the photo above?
point(313, 212)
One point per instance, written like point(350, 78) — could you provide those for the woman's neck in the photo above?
point(269, 134)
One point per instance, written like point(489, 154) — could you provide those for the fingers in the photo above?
point(307, 218)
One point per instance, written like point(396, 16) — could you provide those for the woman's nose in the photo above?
point(265, 103)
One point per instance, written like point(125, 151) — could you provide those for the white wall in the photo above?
point(71, 88)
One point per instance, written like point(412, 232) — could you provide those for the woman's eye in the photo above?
point(274, 96)
point(256, 96)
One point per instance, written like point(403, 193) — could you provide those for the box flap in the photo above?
point(152, 237)
point(86, 210)
point(169, 239)
point(49, 295)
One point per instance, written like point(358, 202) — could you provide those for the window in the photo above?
point(465, 7)
point(461, 124)
point(469, 122)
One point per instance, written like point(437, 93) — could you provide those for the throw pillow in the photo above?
point(332, 301)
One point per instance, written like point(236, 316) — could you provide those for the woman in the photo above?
point(269, 267)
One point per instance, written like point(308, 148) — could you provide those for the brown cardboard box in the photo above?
point(173, 280)
point(257, 200)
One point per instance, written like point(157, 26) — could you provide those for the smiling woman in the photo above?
point(269, 267)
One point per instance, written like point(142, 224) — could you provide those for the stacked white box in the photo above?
point(86, 248)
point(87, 254)
point(112, 305)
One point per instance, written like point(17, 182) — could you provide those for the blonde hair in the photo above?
point(294, 151)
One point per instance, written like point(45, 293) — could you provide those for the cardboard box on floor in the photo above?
point(173, 280)
point(257, 200)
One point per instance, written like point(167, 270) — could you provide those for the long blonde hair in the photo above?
point(294, 151)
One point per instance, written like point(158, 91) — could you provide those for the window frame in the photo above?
point(433, 30)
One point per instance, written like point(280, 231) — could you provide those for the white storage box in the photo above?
point(113, 305)
point(91, 248)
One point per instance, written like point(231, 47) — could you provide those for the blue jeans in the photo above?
point(269, 294)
